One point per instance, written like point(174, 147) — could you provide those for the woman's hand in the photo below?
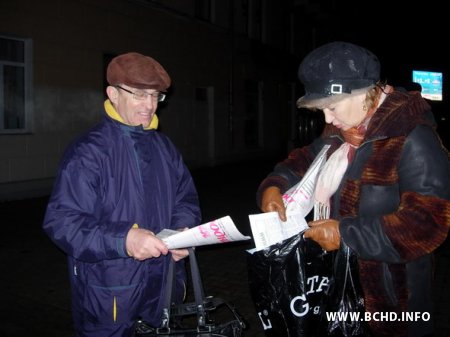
point(272, 201)
point(325, 233)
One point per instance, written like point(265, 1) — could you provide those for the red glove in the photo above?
point(272, 201)
point(325, 233)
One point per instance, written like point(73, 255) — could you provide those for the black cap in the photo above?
point(334, 69)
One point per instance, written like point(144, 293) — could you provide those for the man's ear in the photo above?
point(112, 93)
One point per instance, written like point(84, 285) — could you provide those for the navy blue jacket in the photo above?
point(113, 177)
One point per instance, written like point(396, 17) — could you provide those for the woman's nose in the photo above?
point(328, 116)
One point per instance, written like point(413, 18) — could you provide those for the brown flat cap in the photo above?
point(137, 71)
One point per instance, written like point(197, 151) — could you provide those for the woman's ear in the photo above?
point(112, 93)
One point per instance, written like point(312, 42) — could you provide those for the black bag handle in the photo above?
point(170, 284)
point(201, 307)
point(199, 293)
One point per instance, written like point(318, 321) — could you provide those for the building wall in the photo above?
point(209, 63)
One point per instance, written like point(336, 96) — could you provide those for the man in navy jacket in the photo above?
point(117, 186)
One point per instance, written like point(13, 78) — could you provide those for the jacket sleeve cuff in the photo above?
point(121, 243)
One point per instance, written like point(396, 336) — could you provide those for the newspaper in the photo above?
point(218, 231)
point(300, 197)
point(268, 229)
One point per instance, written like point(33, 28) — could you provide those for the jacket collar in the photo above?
point(113, 114)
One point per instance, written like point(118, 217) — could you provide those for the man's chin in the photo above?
point(145, 123)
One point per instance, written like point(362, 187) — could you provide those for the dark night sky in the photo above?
point(403, 38)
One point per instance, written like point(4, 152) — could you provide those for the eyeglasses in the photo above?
point(142, 95)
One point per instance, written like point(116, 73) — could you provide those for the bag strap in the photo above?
point(170, 285)
point(199, 292)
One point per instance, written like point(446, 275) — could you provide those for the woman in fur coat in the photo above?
point(385, 188)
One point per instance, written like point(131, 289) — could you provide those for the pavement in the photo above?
point(35, 298)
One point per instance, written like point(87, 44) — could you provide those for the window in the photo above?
point(15, 85)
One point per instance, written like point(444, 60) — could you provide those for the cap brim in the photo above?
point(315, 101)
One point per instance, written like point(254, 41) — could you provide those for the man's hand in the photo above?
point(325, 233)
point(142, 244)
point(272, 201)
point(179, 254)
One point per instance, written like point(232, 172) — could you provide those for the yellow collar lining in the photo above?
point(111, 111)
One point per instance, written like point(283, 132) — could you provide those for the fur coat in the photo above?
point(392, 204)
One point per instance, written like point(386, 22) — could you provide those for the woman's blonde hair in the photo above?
point(373, 95)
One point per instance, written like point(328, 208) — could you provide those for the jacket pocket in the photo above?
point(109, 305)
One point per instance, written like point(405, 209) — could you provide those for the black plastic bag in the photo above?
point(287, 283)
point(345, 299)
